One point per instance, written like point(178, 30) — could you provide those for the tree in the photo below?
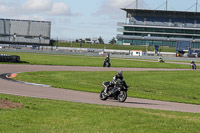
point(113, 41)
point(79, 40)
point(100, 40)
point(87, 39)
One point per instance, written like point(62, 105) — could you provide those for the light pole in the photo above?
point(149, 35)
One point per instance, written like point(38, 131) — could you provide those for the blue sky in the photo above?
point(73, 19)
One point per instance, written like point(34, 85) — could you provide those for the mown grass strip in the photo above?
point(42, 115)
point(69, 60)
point(177, 86)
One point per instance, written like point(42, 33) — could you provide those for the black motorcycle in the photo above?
point(118, 92)
point(162, 61)
point(106, 64)
point(193, 66)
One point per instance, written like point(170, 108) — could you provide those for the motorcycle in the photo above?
point(193, 66)
point(162, 61)
point(118, 92)
point(106, 64)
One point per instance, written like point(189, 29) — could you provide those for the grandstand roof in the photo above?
point(163, 13)
point(26, 20)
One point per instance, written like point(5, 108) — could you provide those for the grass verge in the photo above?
point(176, 86)
point(69, 60)
point(115, 46)
point(42, 115)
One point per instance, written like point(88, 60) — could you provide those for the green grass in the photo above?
point(71, 60)
point(176, 86)
point(51, 116)
point(115, 46)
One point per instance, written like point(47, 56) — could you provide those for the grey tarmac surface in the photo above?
point(16, 88)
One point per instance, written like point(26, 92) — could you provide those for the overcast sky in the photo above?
point(72, 19)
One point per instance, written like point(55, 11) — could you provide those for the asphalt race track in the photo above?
point(20, 89)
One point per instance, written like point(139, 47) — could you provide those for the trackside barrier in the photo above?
point(9, 58)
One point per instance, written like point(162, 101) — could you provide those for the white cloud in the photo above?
point(59, 8)
point(122, 3)
point(37, 5)
point(6, 8)
point(111, 8)
point(32, 7)
point(47, 7)
point(118, 3)
point(33, 17)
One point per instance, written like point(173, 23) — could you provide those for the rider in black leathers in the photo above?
point(115, 78)
point(107, 59)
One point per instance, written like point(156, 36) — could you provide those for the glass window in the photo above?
point(159, 30)
point(149, 29)
point(169, 30)
point(197, 31)
point(139, 29)
point(189, 31)
point(179, 31)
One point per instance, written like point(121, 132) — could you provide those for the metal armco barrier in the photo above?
point(9, 58)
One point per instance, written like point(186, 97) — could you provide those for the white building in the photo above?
point(138, 53)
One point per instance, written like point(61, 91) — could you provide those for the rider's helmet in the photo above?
point(119, 73)
point(192, 61)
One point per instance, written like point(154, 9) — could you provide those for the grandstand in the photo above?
point(24, 32)
point(159, 27)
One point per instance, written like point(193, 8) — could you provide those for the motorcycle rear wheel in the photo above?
point(102, 95)
point(122, 96)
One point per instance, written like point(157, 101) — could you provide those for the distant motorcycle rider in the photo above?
point(114, 81)
point(107, 62)
point(107, 59)
point(160, 59)
point(193, 65)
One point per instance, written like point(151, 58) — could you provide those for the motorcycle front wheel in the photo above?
point(102, 95)
point(122, 96)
